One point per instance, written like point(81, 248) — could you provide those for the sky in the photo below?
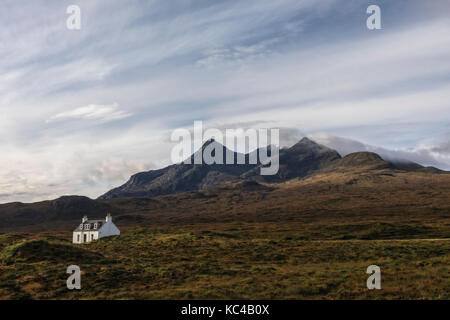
point(82, 110)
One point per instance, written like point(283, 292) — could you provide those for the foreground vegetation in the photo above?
point(231, 261)
point(307, 238)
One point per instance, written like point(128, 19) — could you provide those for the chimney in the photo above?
point(85, 218)
point(108, 217)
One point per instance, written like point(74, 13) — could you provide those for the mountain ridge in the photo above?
point(149, 196)
point(301, 160)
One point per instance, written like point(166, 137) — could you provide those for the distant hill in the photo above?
point(359, 159)
point(66, 208)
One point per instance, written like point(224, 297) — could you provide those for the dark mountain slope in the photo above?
point(184, 177)
point(67, 208)
point(207, 193)
point(300, 160)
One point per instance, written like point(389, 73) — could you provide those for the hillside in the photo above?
point(312, 178)
point(182, 177)
point(303, 159)
point(51, 214)
point(308, 237)
point(322, 259)
point(365, 194)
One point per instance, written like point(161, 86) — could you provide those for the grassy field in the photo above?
point(231, 261)
point(303, 239)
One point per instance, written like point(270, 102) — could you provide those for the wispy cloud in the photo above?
point(100, 113)
point(306, 65)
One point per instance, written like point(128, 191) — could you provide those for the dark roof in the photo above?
point(91, 222)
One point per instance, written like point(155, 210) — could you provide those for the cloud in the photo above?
point(302, 66)
point(116, 169)
point(102, 113)
point(437, 156)
point(80, 164)
point(238, 56)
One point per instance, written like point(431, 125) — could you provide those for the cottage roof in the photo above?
point(92, 225)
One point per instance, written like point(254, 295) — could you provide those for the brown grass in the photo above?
point(303, 239)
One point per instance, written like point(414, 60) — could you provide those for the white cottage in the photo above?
point(90, 230)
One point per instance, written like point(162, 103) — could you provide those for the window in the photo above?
point(92, 237)
point(87, 226)
point(78, 238)
point(95, 226)
point(85, 238)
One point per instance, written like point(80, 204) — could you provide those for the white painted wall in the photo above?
point(107, 229)
point(90, 236)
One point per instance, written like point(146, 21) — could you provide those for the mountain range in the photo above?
point(301, 160)
point(201, 192)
